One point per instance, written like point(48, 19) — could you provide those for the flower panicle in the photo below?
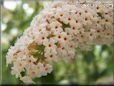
point(56, 32)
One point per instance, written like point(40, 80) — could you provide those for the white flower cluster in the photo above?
point(56, 32)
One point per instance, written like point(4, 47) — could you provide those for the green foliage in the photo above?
point(86, 68)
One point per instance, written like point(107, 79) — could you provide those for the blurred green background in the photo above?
point(89, 67)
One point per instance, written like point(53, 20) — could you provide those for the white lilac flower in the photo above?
point(27, 80)
point(56, 31)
